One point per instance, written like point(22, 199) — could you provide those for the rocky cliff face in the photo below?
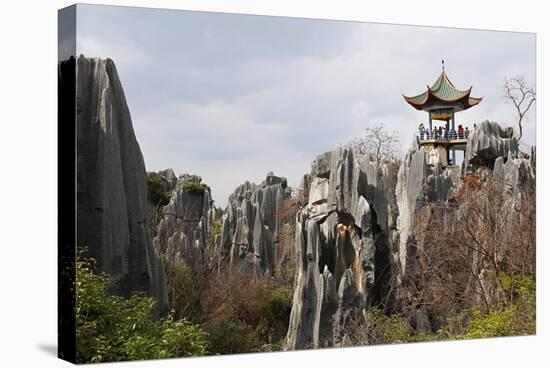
point(167, 177)
point(340, 240)
point(183, 232)
point(250, 224)
point(112, 207)
point(355, 238)
point(486, 143)
point(417, 183)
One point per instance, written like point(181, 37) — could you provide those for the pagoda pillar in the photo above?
point(430, 115)
point(453, 128)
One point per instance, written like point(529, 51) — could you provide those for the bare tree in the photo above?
point(464, 248)
point(522, 97)
point(378, 142)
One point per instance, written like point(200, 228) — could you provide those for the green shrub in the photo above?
point(183, 296)
point(518, 318)
point(384, 329)
point(156, 193)
point(216, 230)
point(267, 307)
point(192, 186)
point(255, 306)
point(233, 337)
point(218, 213)
point(111, 328)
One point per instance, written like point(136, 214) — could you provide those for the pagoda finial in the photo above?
point(443, 65)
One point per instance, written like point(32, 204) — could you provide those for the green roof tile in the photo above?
point(443, 90)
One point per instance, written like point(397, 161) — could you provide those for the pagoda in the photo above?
point(441, 101)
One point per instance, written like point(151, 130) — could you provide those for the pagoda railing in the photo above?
point(443, 136)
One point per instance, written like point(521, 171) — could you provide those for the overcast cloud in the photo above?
point(231, 97)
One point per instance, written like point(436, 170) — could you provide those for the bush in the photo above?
point(267, 307)
point(255, 305)
point(216, 230)
point(111, 328)
point(155, 191)
point(183, 290)
point(379, 328)
point(192, 186)
point(218, 213)
point(233, 337)
point(385, 329)
point(518, 318)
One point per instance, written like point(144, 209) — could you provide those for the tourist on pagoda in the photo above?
point(466, 133)
point(440, 132)
point(421, 131)
point(453, 133)
point(460, 132)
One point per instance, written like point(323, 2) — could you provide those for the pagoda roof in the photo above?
point(443, 91)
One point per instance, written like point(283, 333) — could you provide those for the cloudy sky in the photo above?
point(231, 97)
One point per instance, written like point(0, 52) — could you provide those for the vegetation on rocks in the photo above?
point(516, 318)
point(112, 328)
point(238, 311)
point(156, 193)
point(216, 230)
point(254, 314)
point(192, 186)
point(183, 297)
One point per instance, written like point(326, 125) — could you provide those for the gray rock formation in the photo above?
point(486, 143)
point(337, 241)
point(355, 235)
point(167, 177)
point(112, 207)
point(418, 183)
point(183, 233)
point(491, 154)
point(250, 225)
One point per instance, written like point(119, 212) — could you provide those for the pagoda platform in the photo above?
point(459, 143)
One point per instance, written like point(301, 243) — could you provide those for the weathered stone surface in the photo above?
point(168, 179)
point(487, 142)
point(112, 206)
point(515, 177)
point(360, 219)
point(422, 321)
point(324, 163)
point(534, 158)
point(491, 154)
point(327, 300)
point(183, 232)
point(348, 306)
point(418, 183)
point(336, 247)
point(250, 225)
point(513, 174)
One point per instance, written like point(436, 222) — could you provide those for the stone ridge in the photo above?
point(355, 239)
point(112, 206)
point(487, 142)
point(250, 225)
point(335, 250)
point(183, 232)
